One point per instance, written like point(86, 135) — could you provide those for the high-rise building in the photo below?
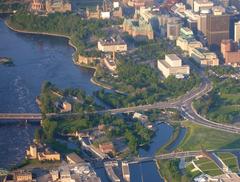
point(237, 32)
point(173, 28)
point(217, 29)
point(190, 3)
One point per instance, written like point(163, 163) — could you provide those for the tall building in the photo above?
point(173, 28)
point(217, 29)
point(190, 3)
point(237, 32)
point(230, 52)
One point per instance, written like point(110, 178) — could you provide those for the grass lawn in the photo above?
point(207, 166)
point(169, 170)
point(230, 160)
point(199, 137)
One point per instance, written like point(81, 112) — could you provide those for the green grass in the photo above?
point(190, 173)
point(200, 137)
point(207, 166)
point(230, 160)
point(169, 170)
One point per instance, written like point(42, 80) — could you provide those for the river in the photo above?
point(45, 58)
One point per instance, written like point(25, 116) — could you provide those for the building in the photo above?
point(73, 158)
point(125, 171)
point(172, 65)
point(190, 3)
point(113, 44)
point(61, 6)
point(204, 57)
point(138, 3)
point(187, 44)
point(200, 5)
point(107, 148)
point(230, 52)
point(37, 5)
point(22, 176)
point(66, 107)
point(140, 117)
point(237, 32)
point(173, 28)
point(48, 155)
point(202, 22)
point(95, 14)
point(139, 29)
point(217, 29)
point(32, 152)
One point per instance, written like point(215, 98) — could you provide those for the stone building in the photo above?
point(61, 6)
point(139, 29)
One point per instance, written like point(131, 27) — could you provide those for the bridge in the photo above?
point(178, 155)
point(21, 116)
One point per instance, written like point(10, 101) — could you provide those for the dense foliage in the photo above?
point(144, 85)
point(79, 30)
point(222, 104)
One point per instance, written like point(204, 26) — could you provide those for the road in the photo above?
point(175, 155)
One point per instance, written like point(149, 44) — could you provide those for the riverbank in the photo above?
point(94, 81)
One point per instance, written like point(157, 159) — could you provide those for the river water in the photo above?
point(45, 58)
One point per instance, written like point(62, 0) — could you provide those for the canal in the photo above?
point(44, 58)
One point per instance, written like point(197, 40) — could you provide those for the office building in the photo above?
point(113, 44)
point(200, 5)
point(172, 65)
point(230, 52)
point(204, 57)
point(173, 28)
point(237, 32)
point(217, 29)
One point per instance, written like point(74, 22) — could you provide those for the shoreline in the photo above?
point(69, 43)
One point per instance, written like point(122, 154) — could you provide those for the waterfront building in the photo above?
point(172, 65)
point(125, 171)
point(107, 148)
point(139, 29)
point(217, 28)
point(237, 32)
point(73, 158)
point(230, 52)
point(48, 155)
point(32, 152)
point(61, 6)
point(112, 44)
point(140, 117)
point(22, 176)
point(202, 5)
point(204, 57)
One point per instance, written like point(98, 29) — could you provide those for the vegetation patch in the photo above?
point(230, 160)
point(199, 137)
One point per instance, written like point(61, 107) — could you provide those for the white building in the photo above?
point(172, 65)
point(202, 5)
point(237, 32)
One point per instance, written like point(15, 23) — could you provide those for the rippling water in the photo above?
point(36, 59)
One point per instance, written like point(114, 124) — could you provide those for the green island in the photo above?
point(132, 132)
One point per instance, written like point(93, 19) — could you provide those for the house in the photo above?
point(66, 107)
